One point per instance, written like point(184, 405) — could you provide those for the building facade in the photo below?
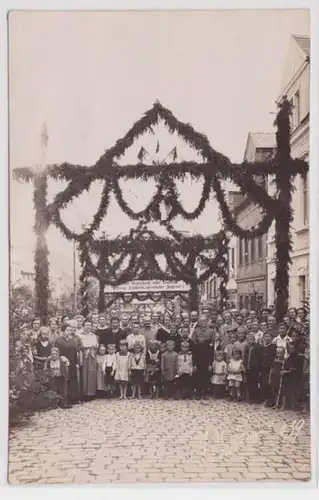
point(251, 255)
point(209, 292)
point(295, 85)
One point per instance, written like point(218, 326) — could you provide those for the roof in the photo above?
point(263, 139)
point(259, 140)
point(303, 42)
point(297, 60)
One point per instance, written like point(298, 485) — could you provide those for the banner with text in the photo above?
point(147, 286)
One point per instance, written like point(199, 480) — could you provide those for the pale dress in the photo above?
point(100, 375)
point(219, 373)
point(122, 365)
point(89, 364)
point(238, 367)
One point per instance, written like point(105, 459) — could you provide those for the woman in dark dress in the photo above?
point(67, 346)
point(268, 355)
point(291, 376)
point(164, 331)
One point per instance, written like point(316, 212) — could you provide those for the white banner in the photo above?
point(149, 286)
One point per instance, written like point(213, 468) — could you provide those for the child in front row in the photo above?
point(110, 367)
point(169, 369)
point(235, 375)
point(275, 378)
point(153, 369)
point(219, 370)
point(184, 371)
point(122, 368)
point(58, 368)
point(137, 370)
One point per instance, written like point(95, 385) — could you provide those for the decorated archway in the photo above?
point(136, 256)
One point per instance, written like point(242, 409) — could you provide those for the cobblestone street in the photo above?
point(161, 441)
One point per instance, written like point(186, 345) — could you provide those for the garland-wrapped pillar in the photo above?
point(101, 305)
point(223, 292)
point(41, 262)
point(84, 280)
point(223, 275)
point(193, 297)
point(284, 216)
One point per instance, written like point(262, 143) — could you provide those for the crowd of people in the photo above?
point(238, 355)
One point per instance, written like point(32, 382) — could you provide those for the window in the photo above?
point(246, 302)
point(215, 288)
point(241, 302)
point(260, 250)
point(302, 288)
point(233, 258)
point(305, 199)
point(252, 250)
point(260, 300)
point(246, 251)
point(211, 289)
point(240, 247)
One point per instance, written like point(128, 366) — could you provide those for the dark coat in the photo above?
point(252, 357)
point(268, 354)
point(163, 335)
point(106, 336)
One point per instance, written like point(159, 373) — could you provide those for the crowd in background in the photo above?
point(238, 355)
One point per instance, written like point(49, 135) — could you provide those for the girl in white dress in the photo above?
point(122, 368)
point(219, 370)
point(235, 374)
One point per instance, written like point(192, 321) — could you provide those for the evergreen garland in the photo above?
point(215, 168)
point(84, 280)
point(229, 220)
point(283, 180)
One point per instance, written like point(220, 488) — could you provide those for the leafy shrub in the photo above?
point(29, 390)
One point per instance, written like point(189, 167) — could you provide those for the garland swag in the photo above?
point(214, 169)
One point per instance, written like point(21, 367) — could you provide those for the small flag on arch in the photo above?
point(157, 147)
point(142, 153)
point(174, 153)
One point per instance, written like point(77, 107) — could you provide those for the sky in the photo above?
point(90, 75)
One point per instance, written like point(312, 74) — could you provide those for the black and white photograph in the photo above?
point(159, 211)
